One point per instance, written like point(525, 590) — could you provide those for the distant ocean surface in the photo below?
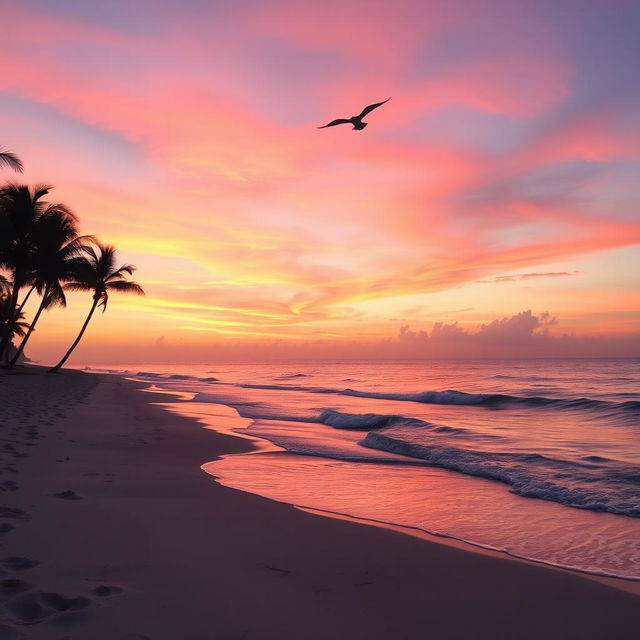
point(539, 458)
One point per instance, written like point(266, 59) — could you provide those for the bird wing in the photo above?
point(333, 123)
point(371, 107)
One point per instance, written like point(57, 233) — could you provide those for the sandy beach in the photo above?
point(111, 530)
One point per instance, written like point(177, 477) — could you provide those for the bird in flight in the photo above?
point(356, 121)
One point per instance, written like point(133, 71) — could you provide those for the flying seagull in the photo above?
point(356, 121)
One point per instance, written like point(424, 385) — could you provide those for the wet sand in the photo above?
point(110, 530)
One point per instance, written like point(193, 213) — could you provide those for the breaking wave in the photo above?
point(453, 397)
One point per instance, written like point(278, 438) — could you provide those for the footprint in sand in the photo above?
point(10, 587)
point(26, 609)
point(11, 512)
point(19, 563)
point(60, 603)
point(31, 608)
point(68, 495)
point(104, 590)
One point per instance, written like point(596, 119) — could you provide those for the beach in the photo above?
point(111, 530)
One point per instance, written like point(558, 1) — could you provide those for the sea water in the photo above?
point(539, 459)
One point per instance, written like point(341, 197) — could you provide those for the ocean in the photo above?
point(539, 459)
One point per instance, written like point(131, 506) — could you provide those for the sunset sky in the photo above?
point(490, 208)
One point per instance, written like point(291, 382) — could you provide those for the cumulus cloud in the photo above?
point(522, 326)
point(523, 334)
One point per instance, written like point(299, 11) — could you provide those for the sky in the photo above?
point(489, 209)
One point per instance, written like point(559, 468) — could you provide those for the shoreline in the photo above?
point(189, 558)
point(262, 445)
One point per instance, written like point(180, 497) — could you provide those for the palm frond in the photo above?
point(61, 210)
point(84, 241)
point(77, 286)
point(4, 282)
point(104, 298)
point(11, 160)
point(55, 297)
point(41, 190)
point(91, 252)
point(20, 328)
point(118, 274)
point(126, 287)
point(107, 260)
point(72, 251)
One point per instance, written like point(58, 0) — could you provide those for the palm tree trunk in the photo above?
point(21, 306)
point(77, 340)
point(11, 319)
point(32, 326)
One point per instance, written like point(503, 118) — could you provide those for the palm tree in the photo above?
point(96, 272)
point(10, 160)
point(24, 220)
point(54, 262)
point(19, 325)
point(5, 287)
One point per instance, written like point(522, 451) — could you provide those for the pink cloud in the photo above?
point(592, 137)
point(348, 28)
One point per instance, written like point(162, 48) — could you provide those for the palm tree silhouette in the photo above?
point(96, 272)
point(55, 261)
point(24, 220)
point(19, 326)
point(10, 160)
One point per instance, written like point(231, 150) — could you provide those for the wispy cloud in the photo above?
point(518, 277)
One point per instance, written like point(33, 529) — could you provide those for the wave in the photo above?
point(356, 421)
point(371, 421)
point(597, 484)
point(496, 400)
point(592, 482)
point(453, 397)
point(150, 375)
point(447, 397)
